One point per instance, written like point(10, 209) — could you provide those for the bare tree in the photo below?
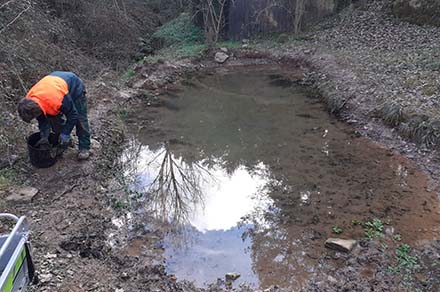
point(294, 8)
point(213, 14)
point(299, 13)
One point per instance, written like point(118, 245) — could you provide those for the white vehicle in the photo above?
point(16, 266)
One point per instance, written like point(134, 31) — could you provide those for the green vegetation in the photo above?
point(7, 178)
point(123, 114)
point(337, 230)
point(229, 45)
point(184, 51)
point(403, 257)
point(180, 31)
point(374, 229)
point(392, 114)
point(356, 222)
point(405, 262)
point(129, 74)
point(429, 90)
point(4, 182)
point(146, 94)
point(398, 237)
point(434, 66)
point(119, 205)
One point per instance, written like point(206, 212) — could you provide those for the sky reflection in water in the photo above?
point(213, 240)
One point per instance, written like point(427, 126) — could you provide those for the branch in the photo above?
point(15, 71)
point(15, 19)
point(4, 5)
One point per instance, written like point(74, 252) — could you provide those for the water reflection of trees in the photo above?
point(283, 250)
point(176, 187)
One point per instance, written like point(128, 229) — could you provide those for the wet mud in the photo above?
point(250, 175)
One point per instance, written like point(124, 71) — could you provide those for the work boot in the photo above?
point(83, 154)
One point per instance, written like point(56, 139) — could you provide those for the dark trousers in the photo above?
point(82, 126)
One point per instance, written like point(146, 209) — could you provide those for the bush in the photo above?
point(180, 31)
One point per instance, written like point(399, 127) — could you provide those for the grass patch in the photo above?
point(374, 229)
point(422, 130)
point(406, 263)
point(129, 74)
point(337, 230)
point(7, 178)
point(392, 114)
point(185, 51)
point(429, 90)
point(229, 45)
point(356, 222)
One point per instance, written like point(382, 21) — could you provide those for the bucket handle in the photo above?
point(53, 152)
point(9, 216)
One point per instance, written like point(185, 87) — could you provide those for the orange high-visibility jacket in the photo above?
point(49, 93)
point(56, 94)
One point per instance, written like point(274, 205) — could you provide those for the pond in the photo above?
point(253, 175)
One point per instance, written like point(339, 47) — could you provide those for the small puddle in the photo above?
point(252, 173)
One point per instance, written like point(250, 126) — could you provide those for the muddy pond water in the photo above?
point(253, 174)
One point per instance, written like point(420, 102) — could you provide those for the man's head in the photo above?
point(28, 109)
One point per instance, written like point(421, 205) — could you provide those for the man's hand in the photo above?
point(64, 140)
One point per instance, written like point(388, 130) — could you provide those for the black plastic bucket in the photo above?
point(42, 158)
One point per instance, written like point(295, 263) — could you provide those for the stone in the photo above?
point(95, 145)
point(332, 279)
point(25, 194)
point(50, 256)
point(224, 50)
point(273, 288)
point(124, 276)
point(44, 278)
point(245, 46)
point(389, 231)
point(232, 276)
point(338, 244)
point(221, 57)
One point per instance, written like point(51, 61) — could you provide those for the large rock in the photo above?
point(25, 194)
point(418, 11)
point(338, 244)
point(221, 57)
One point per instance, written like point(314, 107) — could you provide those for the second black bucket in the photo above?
point(42, 158)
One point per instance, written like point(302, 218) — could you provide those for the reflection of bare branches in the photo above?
point(177, 187)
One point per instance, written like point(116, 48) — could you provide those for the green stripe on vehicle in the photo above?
point(11, 278)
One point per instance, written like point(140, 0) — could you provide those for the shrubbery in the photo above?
point(180, 31)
